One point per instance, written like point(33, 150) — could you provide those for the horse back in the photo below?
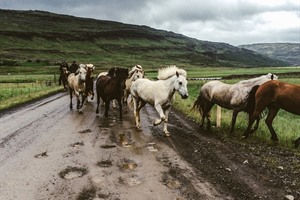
point(280, 94)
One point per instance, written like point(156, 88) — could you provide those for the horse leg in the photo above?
point(206, 113)
point(106, 108)
point(166, 111)
point(136, 117)
point(256, 126)
point(233, 120)
point(273, 110)
point(83, 97)
point(71, 96)
point(297, 142)
point(98, 102)
point(161, 114)
point(120, 107)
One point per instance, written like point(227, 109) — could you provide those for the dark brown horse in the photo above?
point(274, 95)
point(111, 87)
point(64, 77)
point(89, 81)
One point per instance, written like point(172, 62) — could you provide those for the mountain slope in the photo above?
point(32, 35)
point(288, 52)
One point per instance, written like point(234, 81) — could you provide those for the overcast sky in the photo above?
point(231, 21)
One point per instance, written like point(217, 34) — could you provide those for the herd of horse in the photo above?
point(252, 96)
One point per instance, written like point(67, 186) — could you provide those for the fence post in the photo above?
point(219, 116)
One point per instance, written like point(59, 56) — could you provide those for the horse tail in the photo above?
point(198, 104)
point(251, 100)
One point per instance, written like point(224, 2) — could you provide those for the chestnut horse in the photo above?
point(111, 87)
point(274, 95)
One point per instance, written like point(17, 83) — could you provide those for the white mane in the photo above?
point(165, 73)
point(260, 78)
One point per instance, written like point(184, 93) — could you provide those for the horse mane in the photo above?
point(167, 72)
point(269, 76)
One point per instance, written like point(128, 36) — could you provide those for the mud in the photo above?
point(51, 152)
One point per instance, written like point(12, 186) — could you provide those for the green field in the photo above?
point(25, 82)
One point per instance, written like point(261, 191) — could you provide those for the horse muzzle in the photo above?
point(184, 96)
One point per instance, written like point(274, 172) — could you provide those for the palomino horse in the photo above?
point(111, 87)
point(275, 95)
point(77, 85)
point(230, 96)
point(135, 73)
point(159, 93)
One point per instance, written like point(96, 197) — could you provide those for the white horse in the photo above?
point(77, 85)
point(135, 73)
point(230, 96)
point(159, 93)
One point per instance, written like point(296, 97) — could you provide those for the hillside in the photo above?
point(39, 35)
point(288, 52)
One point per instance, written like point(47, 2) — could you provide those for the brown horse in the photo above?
point(111, 87)
point(64, 77)
point(89, 81)
point(274, 95)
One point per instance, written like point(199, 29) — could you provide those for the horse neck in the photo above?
point(170, 84)
point(256, 81)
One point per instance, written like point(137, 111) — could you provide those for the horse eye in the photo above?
point(180, 83)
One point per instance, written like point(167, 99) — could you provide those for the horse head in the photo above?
point(137, 74)
point(181, 85)
point(121, 75)
point(81, 73)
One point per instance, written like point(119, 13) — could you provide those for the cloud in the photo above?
point(231, 21)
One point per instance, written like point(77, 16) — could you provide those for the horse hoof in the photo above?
point(167, 134)
point(244, 137)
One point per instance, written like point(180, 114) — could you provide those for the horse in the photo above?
point(110, 73)
point(77, 85)
point(159, 94)
point(64, 77)
point(135, 73)
point(274, 95)
point(111, 87)
point(230, 96)
point(89, 90)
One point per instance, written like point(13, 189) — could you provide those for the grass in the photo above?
point(12, 94)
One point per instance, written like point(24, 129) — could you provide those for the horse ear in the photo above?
point(177, 74)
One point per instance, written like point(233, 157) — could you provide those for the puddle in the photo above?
point(108, 146)
point(72, 172)
point(104, 163)
point(40, 155)
point(152, 147)
point(77, 144)
point(125, 141)
point(131, 180)
point(128, 165)
point(87, 193)
point(85, 131)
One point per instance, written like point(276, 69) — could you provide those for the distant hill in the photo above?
point(39, 35)
point(288, 52)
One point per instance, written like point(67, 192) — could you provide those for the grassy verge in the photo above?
point(285, 124)
point(13, 94)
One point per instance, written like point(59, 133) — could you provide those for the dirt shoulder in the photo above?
point(238, 169)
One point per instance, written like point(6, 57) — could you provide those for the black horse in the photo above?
point(111, 87)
